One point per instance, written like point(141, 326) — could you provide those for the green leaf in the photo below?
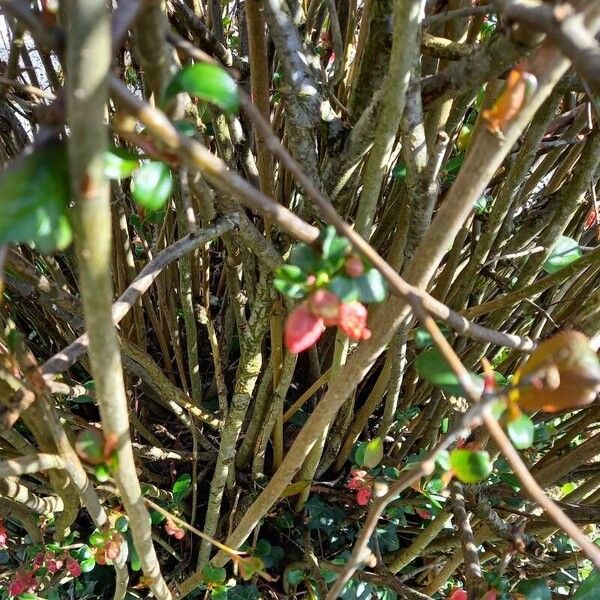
point(152, 185)
point(359, 454)
point(432, 366)
point(122, 524)
point(290, 273)
point(119, 163)
point(90, 446)
point(208, 82)
point(185, 127)
point(442, 460)
point(423, 338)
point(482, 204)
point(295, 577)
point(521, 432)
point(156, 517)
point(182, 485)
point(399, 171)
point(334, 247)
point(373, 453)
point(564, 252)
point(88, 564)
point(345, 288)
point(34, 197)
point(470, 466)
point(295, 488)
point(134, 559)
point(96, 539)
point(292, 290)
point(214, 575)
point(102, 473)
point(536, 589)
point(372, 287)
point(588, 590)
point(305, 257)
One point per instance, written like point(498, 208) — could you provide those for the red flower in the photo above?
point(363, 496)
point(23, 582)
point(491, 595)
point(458, 594)
point(326, 305)
point(302, 329)
point(174, 530)
point(73, 567)
point(353, 321)
point(3, 534)
point(354, 267)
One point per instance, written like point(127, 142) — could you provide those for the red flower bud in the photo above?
point(326, 305)
point(177, 532)
point(363, 496)
point(354, 267)
point(302, 329)
point(353, 321)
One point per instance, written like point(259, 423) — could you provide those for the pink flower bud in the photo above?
point(326, 305)
point(363, 496)
point(354, 267)
point(353, 321)
point(302, 329)
point(52, 563)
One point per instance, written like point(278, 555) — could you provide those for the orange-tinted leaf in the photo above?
point(562, 373)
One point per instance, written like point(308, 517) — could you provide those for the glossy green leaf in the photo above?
point(295, 577)
point(34, 198)
point(423, 338)
point(152, 185)
point(122, 524)
point(432, 366)
point(182, 485)
point(292, 290)
point(588, 590)
point(470, 466)
point(102, 473)
point(373, 453)
point(372, 287)
point(564, 252)
point(119, 163)
point(96, 539)
point(334, 247)
point(88, 564)
point(521, 432)
point(208, 82)
point(290, 273)
point(345, 288)
point(535, 589)
point(305, 257)
point(213, 575)
point(399, 171)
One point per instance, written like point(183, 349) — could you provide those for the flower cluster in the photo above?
point(106, 545)
point(28, 580)
point(307, 322)
point(172, 529)
point(362, 482)
point(335, 286)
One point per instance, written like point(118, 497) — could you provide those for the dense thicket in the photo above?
point(221, 179)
